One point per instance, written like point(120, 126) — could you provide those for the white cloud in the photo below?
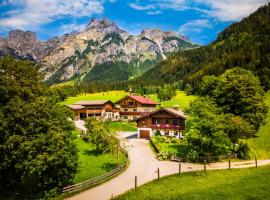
point(139, 7)
point(222, 10)
point(231, 10)
point(157, 12)
point(31, 14)
point(195, 26)
point(68, 28)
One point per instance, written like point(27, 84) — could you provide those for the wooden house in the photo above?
point(101, 109)
point(133, 107)
point(167, 121)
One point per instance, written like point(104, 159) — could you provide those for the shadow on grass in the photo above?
point(92, 152)
point(109, 166)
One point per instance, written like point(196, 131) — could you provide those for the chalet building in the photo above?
point(101, 109)
point(168, 121)
point(133, 107)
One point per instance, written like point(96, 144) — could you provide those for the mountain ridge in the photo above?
point(102, 43)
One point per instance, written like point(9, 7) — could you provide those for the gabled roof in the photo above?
point(75, 107)
point(92, 102)
point(175, 112)
point(140, 99)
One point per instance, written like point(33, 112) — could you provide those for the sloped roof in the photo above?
point(178, 113)
point(92, 102)
point(140, 99)
point(75, 107)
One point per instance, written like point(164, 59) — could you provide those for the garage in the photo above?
point(145, 134)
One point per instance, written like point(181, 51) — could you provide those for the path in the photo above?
point(143, 164)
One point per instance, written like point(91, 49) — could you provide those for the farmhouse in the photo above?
point(101, 109)
point(133, 107)
point(168, 121)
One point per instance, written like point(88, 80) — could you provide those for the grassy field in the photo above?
point(123, 126)
point(91, 163)
point(260, 146)
point(112, 95)
point(180, 99)
point(233, 184)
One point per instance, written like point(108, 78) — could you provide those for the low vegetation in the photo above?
point(166, 147)
point(92, 163)
point(260, 144)
point(232, 184)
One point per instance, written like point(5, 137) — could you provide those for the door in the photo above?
point(144, 134)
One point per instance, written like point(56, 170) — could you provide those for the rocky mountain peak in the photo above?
point(17, 36)
point(102, 25)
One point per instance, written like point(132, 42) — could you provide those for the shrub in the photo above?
point(243, 151)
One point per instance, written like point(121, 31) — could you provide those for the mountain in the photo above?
point(245, 44)
point(25, 45)
point(102, 51)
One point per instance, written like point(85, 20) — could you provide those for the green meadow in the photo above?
point(235, 184)
point(260, 145)
point(180, 99)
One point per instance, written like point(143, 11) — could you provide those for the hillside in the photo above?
point(102, 51)
point(245, 44)
point(219, 184)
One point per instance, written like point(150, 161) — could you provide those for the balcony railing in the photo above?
point(132, 113)
point(168, 126)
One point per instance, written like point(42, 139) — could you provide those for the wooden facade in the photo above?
point(99, 109)
point(167, 121)
point(133, 107)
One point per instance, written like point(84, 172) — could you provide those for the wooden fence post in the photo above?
point(158, 172)
point(179, 168)
point(229, 164)
point(135, 182)
point(204, 163)
point(256, 162)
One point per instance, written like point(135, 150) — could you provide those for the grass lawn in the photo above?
point(91, 163)
point(111, 95)
point(123, 126)
point(250, 183)
point(181, 99)
point(260, 146)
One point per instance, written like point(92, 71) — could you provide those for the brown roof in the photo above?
point(75, 107)
point(173, 111)
point(92, 102)
point(140, 99)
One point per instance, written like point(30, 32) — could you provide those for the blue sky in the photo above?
point(200, 20)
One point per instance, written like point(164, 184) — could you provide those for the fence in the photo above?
point(97, 180)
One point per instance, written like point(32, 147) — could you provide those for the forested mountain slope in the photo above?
point(245, 44)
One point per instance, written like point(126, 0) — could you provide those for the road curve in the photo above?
point(143, 164)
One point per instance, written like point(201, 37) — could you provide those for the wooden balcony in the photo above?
point(167, 126)
point(133, 113)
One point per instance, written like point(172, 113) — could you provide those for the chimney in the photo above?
point(176, 107)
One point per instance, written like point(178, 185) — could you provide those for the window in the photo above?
point(175, 122)
point(134, 110)
point(125, 117)
point(134, 117)
point(167, 121)
point(125, 110)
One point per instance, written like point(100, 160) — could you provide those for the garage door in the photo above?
point(144, 134)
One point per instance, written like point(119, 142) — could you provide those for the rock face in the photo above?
point(101, 52)
point(26, 46)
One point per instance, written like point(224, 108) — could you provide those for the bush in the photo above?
point(243, 151)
